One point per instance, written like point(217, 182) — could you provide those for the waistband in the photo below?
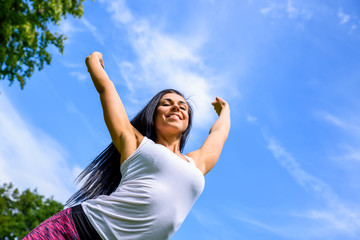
point(83, 226)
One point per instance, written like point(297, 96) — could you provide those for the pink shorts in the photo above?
point(60, 227)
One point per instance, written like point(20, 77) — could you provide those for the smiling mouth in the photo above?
point(174, 116)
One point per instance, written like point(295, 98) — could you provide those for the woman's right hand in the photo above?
point(96, 56)
point(124, 136)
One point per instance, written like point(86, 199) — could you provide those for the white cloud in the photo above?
point(334, 219)
point(206, 218)
point(351, 153)
point(349, 123)
point(336, 216)
point(76, 70)
point(308, 225)
point(164, 61)
point(93, 30)
point(341, 220)
point(251, 119)
point(30, 158)
point(216, 227)
point(306, 180)
point(302, 11)
point(333, 119)
point(270, 10)
point(289, 9)
point(266, 10)
point(80, 76)
point(67, 27)
point(129, 74)
point(353, 27)
point(72, 65)
point(347, 151)
point(208, 1)
point(121, 14)
point(249, 220)
point(97, 136)
point(344, 18)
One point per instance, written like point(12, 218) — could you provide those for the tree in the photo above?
point(25, 34)
point(22, 212)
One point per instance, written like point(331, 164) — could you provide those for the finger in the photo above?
point(215, 101)
point(221, 100)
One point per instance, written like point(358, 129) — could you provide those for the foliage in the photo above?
point(22, 212)
point(25, 34)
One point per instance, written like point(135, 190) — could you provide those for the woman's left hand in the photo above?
point(220, 104)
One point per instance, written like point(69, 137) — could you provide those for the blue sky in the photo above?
point(289, 70)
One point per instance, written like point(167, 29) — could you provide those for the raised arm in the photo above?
point(121, 131)
point(208, 154)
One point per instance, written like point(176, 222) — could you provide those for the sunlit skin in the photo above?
point(172, 114)
point(170, 122)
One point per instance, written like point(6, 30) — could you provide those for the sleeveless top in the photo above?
point(156, 192)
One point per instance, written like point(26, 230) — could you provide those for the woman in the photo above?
point(157, 185)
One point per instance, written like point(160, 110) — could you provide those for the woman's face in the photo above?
point(172, 115)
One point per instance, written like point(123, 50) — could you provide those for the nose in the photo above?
point(175, 107)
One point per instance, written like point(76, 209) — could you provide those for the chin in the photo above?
point(171, 130)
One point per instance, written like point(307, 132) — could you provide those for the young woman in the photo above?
point(141, 186)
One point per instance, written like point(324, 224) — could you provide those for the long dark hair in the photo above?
point(102, 176)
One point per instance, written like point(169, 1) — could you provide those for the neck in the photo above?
point(171, 142)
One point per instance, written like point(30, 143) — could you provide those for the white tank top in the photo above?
point(156, 192)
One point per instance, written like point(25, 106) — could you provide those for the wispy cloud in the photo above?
point(303, 11)
point(334, 218)
point(76, 70)
point(164, 61)
point(344, 18)
point(289, 9)
point(29, 157)
point(251, 118)
point(347, 123)
point(69, 27)
point(97, 136)
point(336, 214)
point(306, 180)
point(266, 10)
point(214, 223)
point(348, 20)
point(80, 76)
point(348, 144)
point(283, 231)
point(308, 225)
point(93, 30)
point(350, 153)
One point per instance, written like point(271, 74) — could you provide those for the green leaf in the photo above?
point(25, 36)
point(20, 212)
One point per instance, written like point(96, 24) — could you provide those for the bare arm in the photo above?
point(208, 154)
point(121, 131)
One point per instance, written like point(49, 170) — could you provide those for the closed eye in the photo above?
point(168, 102)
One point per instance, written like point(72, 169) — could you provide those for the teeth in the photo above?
point(176, 116)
